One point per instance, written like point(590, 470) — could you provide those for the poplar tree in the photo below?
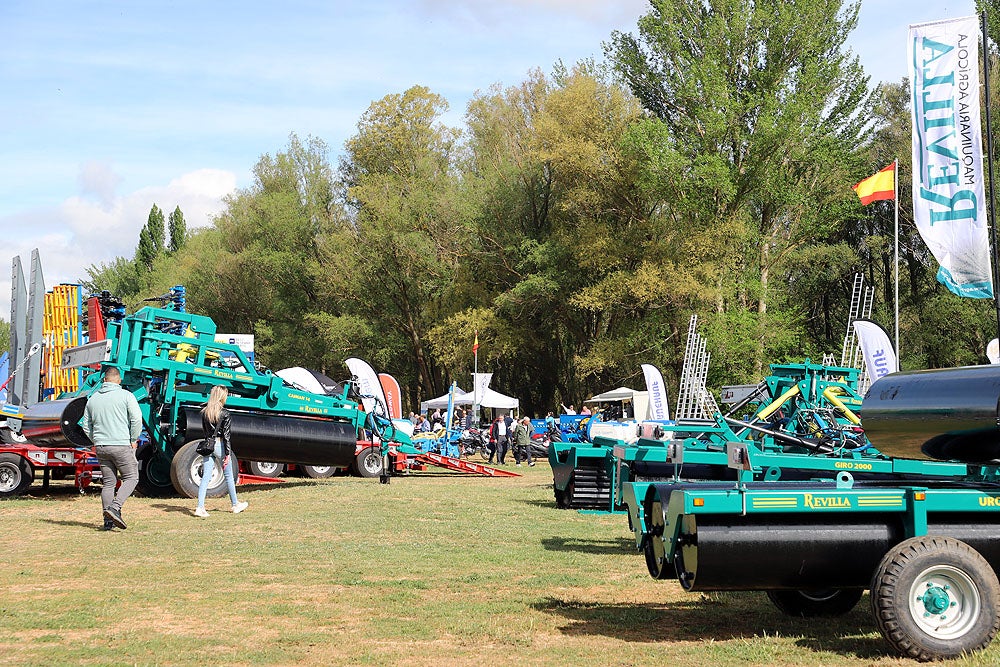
point(757, 107)
point(177, 229)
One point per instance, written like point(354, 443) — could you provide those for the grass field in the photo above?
point(435, 568)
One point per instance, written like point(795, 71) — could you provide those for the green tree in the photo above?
point(758, 106)
point(177, 228)
point(4, 336)
point(151, 239)
point(411, 224)
point(124, 278)
point(572, 263)
point(257, 269)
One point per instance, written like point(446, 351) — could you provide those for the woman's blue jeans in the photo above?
point(208, 467)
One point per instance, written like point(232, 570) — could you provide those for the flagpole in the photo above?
point(895, 174)
point(989, 165)
point(475, 377)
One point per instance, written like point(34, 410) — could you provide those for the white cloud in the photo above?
point(82, 232)
point(99, 179)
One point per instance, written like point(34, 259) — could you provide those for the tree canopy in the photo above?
point(577, 219)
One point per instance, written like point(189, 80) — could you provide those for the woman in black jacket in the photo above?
point(215, 422)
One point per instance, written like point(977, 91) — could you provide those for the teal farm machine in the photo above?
point(170, 361)
point(917, 522)
point(801, 421)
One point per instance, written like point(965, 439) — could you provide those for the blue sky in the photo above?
point(110, 107)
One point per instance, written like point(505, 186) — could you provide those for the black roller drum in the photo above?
point(943, 414)
point(283, 438)
point(56, 423)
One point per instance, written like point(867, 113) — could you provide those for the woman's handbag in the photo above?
point(207, 446)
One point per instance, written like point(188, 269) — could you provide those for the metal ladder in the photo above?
point(694, 401)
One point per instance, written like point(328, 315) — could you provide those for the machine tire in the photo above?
point(317, 472)
point(16, 475)
point(935, 598)
point(816, 603)
point(9, 437)
point(154, 473)
point(185, 472)
point(368, 463)
point(265, 468)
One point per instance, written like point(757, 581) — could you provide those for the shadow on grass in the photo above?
point(92, 525)
point(722, 617)
point(59, 492)
point(178, 509)
point(611, 547)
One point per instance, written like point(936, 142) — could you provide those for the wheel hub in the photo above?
point(7, 479)
point(944, 602)
point(936, 600)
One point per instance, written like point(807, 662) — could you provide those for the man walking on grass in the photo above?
point(113, 422)
point(522, 442)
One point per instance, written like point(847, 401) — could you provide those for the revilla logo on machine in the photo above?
point(825, 502)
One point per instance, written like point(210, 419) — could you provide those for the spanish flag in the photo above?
point(475, 344)
point(878, 187)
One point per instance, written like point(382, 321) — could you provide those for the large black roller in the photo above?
point(284, 439)
point(776, 553)
point(944, 414)
point(56, 423)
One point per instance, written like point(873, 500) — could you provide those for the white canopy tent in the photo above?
point(613, 396)
point(639, 400)
point(442, 401)
point(490, 399)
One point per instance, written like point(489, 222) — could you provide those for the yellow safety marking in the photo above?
point(774, 502)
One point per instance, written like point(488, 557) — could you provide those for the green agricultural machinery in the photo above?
point(918, 524)
point(804, 424)
point(170, 361)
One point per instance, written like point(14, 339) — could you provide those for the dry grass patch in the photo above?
point(432, 569)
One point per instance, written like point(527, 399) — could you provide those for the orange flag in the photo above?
point(475, 344)
point(878, 187)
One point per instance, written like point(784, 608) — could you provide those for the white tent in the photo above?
point(613, 396)
point(442, 401)
point(490, 399)
point(638, 399)
point(494, 399)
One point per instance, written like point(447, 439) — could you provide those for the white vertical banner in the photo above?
point(880, 359)
point(658, 408)
point(949, 201)
point(480, 383)
point(368, 384)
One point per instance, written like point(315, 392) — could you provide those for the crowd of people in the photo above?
point(508, 436)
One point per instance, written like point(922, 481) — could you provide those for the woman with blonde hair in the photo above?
point(215, 420)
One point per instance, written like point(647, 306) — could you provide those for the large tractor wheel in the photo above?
point(935, 598)
point(186, 469)
point(368, 462)
point(812, 604)
point(16, 475)
point(154, 473)
point(265, 468)
point(317, 472)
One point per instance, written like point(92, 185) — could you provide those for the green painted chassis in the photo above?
point(168, 372)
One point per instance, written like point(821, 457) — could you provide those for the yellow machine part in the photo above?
point(61, 330)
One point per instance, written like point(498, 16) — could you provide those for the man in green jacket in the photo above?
point(522, 441)
point(113, 422)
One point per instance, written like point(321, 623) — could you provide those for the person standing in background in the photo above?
point(522, 442)
point(112, 420)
